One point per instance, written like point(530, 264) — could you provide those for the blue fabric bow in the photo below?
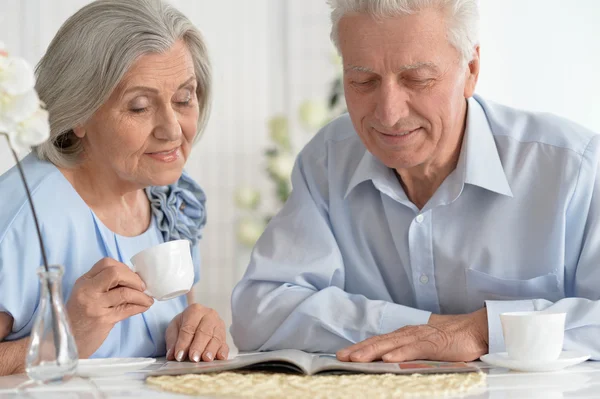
point(179, 209)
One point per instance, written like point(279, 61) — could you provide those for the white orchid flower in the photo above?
point(281, 166)
point(30, 132)
point(16, 76)
point(22, 117)
point(14, 109)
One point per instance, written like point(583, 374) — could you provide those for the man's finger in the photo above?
point(372, 344)
point(344, 354)
point(406, 353)
point(375, 350)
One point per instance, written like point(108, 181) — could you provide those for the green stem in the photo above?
point(55, 327)
point(35, 218)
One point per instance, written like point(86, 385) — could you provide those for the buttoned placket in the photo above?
point(420, 244)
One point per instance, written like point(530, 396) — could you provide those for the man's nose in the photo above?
point(392, 104)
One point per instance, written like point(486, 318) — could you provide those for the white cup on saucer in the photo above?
point(167, 269)
point(533, 336)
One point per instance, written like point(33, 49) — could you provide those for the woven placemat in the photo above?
point(243, 384)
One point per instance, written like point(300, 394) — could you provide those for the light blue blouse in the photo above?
point(75, 238)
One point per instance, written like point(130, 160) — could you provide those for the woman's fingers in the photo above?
point(124, 295)
point(199, 345)
point(114, 274)
point(189, 324)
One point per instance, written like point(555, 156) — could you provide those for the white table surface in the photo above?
point(580, 381)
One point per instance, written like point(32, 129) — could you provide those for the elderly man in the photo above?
point(426, 212)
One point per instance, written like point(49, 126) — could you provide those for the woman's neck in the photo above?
point(122, 206)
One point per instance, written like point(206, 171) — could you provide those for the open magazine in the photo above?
point(295, 361)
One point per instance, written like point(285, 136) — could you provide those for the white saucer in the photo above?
point(111, 366)
point(566, 359)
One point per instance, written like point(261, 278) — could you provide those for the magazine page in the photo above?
point(329, 364)
point(282, 360)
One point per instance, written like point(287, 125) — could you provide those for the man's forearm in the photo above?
point(12, 356)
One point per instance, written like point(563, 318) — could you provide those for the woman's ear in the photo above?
point(79, 131)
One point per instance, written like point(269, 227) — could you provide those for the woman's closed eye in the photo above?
point(184, 98)
point(139, 105)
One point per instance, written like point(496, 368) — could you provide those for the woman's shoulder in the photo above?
point(52, 195)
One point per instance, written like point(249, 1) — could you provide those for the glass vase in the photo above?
point(52, 353)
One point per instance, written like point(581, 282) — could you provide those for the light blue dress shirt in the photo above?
point(76, 239)
point(515, 227)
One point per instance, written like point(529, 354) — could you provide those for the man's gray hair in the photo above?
point(462, 17)
point(91, 53)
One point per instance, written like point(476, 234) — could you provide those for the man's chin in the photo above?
point(399, 159)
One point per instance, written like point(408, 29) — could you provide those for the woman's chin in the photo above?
point(165, 177)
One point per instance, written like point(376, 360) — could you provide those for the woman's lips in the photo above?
point(165, 156)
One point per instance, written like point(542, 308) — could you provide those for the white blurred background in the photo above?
point(269, 56)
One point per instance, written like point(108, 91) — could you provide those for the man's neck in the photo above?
point(421, 182)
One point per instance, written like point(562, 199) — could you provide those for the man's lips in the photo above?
point(397, 133)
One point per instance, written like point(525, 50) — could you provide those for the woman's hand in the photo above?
point(108, 293)
point(196, 333)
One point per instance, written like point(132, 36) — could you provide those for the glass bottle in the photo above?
point(52, 353)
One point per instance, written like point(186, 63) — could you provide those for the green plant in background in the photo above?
point(280, 158)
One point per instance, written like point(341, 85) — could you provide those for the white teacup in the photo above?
point(533, 336)
point(167, 269)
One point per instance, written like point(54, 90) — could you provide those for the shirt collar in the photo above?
point(479, 156)
point(479, 161)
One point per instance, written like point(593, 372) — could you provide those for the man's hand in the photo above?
point(196, 333)
point(443, 338)
point(108, 293)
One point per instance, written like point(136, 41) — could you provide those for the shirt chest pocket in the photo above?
point(482, 287)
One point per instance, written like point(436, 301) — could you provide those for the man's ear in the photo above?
point(472, 74)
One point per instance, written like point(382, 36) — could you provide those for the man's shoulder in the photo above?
point(337, 136)
point(536, 127)
point(52, 194)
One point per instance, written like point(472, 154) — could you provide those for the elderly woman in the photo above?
point(127, 86)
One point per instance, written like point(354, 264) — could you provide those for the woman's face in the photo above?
point(143, 134)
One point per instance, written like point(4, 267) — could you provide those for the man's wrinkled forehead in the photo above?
point(419, 65)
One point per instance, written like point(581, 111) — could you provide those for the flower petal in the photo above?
point(34, 130)
point(16, 76)
point(15, 109)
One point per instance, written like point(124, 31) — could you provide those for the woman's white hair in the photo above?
point(91, 53)
point(462, 17)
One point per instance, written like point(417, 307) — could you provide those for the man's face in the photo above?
point(405, 86)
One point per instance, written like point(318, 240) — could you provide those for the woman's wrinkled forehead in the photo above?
point(168, 71)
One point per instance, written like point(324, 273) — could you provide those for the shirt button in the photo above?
point(424, 279)
point(420, 218)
